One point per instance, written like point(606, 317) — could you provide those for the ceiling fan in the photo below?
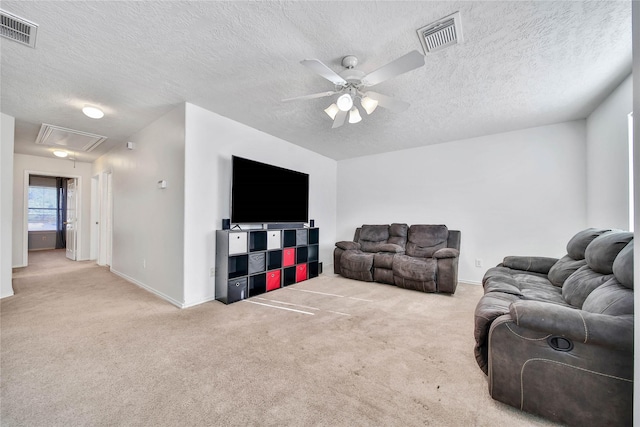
point(352, 84)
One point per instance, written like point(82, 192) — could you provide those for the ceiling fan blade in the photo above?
point(388, 102)
point(405, 63)
point(322, 70)
point(312, 96)
point(340, 119)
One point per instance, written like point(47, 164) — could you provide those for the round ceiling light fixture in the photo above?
point(93, 112)
point(344, 102)
point(60, 153)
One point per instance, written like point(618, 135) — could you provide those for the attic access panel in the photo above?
point(69, 139)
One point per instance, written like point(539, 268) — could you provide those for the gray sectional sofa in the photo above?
point(556, 336)
point(420, 257)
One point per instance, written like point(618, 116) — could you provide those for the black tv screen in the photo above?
point(262, 193)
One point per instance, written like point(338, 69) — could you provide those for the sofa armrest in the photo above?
point(346, 245)
point(575, 324)
point(536, 264)
point(446, 253)
point(390, 247)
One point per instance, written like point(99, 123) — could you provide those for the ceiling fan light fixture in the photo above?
point(93, 112)
point(332, 110)
point(369, 104)
point(354, 115)
point(345, 102)
point(60, 153)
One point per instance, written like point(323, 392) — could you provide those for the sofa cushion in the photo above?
point(611, 299)
point(580, 284)
point(357, 265)
point(372, 236)
point(424, 240)
point(604, 249)
point(398, 234)
point(383, 260)
point(418, 269)
point(623, 266)
point(522, 284)
point(578, 243)
point(564, 268)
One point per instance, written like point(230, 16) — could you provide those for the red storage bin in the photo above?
point(301, 272)
point(273, 280)
point(288, 257)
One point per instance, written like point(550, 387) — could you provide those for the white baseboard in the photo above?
point(147, 288)
point(160, 294)
point(193, 304)
point(7, 295)
point(470, 282)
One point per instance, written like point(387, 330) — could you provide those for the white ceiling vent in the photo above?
point(72, 140)
point(442, 33)
point(18, 29)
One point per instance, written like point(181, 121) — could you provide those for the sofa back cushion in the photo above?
point(398, 234)
point(600, 256)
point(578, 243)
point(372, 237)
point(564, 268)
point(623, 266)
point(615, 297)
point(424, 240)
point(604, 249)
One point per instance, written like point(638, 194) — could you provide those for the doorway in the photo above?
point(51, 213)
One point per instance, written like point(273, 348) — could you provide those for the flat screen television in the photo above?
point(262, 193)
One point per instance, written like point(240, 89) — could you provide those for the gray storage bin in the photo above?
point(257, 262)
point(236, 290)
point(301, 237)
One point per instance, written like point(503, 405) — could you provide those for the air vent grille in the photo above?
point(440, 34)
point(17, 29)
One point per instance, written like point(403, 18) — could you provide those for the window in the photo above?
point(43, 208)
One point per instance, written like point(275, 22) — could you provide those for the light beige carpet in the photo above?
point(80, 346)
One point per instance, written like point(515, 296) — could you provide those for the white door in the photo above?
point(109, 219)
point(72, 222)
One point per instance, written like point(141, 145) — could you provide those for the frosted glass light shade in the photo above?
point(93, 112)
point(332, 110)
point(60, 153)
point(354, 115)
point(344, 102)
point(369, 104)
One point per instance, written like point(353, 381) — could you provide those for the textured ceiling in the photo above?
point(521, 64)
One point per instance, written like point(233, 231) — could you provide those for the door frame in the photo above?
point(25, 213)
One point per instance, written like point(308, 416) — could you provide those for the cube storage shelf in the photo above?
point(252, 262)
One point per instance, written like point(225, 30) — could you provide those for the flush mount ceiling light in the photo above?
point(60, 153)
point(93, 112)
point(351, 84)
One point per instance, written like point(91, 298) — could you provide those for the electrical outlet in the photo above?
point(144, 263)
point(478, 263)
point(212, 272)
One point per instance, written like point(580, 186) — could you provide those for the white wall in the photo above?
point(7, 125)
point(636, 188)
point(211, 140)
point(148, 238)
point(54, 167)
point(608, 160)
point(516, 193)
